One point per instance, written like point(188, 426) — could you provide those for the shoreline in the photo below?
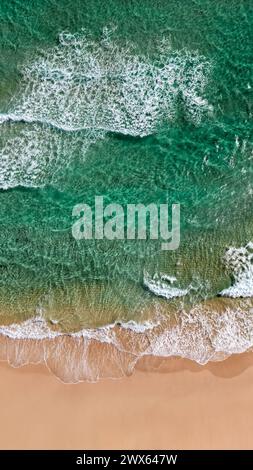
point(209, 331)
point(188, 406)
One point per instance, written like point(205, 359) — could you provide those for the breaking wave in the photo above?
point(83, 84)
point(209, 331)
point(35, 154)
point(163, 286)
point(239, 264)
point(87, 87)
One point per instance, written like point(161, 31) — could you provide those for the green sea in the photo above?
point(142, 103)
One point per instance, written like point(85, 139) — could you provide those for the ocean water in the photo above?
point(138, 102)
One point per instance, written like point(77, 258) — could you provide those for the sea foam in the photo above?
point(82, 85)
point(239, 264)
point(204, 333)
point(34, 154)
point(163, 285)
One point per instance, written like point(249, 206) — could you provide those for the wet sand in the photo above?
point(183, 406)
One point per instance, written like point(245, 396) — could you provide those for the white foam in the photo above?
point(85, 85)
point(37, 328)
point(34, 154)
point(201, 334)
point(239, 264)
point(162, 286)
point(140, 327)
point(206, 335)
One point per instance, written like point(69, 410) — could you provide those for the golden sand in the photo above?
point(183, 406)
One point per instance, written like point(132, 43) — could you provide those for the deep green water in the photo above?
point(141, 102)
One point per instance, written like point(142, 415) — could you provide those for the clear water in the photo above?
point(139, 102)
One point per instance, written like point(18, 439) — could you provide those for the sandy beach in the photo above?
point(183, 406)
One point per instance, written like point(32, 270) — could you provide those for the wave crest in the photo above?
point(94, 87)
point(82, 84)
point(209, 331)
point(239, 264)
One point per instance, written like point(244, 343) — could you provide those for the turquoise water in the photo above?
point(141, 102)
